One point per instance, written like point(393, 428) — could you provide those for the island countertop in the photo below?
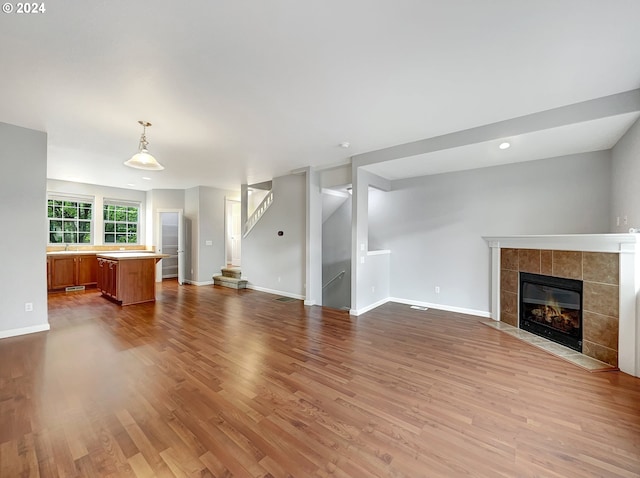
point(122, 256)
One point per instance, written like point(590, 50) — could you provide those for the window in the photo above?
point(121, 222)
point(70, 220)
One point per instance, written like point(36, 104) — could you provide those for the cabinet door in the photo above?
point(114, 280)
point(63, 272)
point(112, 271)
point(87, 270)
point(101, 274)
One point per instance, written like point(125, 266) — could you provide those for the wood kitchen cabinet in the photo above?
point(71, 270)
point(108, 277)
point(128, 278)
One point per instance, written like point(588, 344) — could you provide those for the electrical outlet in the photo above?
point(618, 221)
point(373, 288)
point(625, 221)
point(437, 289)
point(28, 306)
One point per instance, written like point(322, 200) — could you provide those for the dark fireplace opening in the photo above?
point(552, 307)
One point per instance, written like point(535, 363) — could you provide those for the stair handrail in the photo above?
point(338, 275)
point(255, 216)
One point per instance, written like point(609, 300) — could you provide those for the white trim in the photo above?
point(24, 330)
point(379, 252)
point(448, 308)
point(194, 282)
point(430, 305)
point(309, 302)
point(275, 292)
point(568, 242)
point(357, 312)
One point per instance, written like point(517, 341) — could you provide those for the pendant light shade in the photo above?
point(143, 159)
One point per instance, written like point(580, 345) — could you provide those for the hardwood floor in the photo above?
point(217, 382)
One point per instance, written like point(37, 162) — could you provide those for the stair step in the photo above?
point(233, 272)
point(231, 282)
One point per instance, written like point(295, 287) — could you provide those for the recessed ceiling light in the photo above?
point(130, 184)
point(345, 144)
point(146, 178)
point(504, 145)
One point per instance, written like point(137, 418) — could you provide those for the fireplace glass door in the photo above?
point(552, 307)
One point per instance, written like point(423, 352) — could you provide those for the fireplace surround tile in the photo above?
point(509, 259)
point(599, 352)
point(509, 281)
point(601, 267)
point(509, 308)
point(529, 260)
point(600, 329)
point(600, 298)
point(546, 262)
point(567, 264)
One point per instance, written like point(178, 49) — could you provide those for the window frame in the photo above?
point(81, 202)
point(123, 225)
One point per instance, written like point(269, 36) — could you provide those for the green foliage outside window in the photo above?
point(120, 224)
point(69, 221)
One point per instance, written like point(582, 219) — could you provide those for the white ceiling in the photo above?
point(244, 90)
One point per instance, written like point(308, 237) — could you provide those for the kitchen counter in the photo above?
point(94, 252)
point(127, 255)
point(128, 277)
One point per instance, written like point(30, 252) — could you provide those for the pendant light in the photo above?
point(143, 159)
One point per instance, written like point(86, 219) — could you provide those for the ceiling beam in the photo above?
point(607, 106)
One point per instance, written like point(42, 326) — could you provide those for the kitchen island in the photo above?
point(128, 277)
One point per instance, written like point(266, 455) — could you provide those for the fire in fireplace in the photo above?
point(552, 307)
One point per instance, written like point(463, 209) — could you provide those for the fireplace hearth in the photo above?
point(552, 308)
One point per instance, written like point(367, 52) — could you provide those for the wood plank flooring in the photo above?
point(214, 382)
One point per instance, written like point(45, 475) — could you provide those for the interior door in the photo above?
point(181, 256)
point(234, 232)
point(170, 240)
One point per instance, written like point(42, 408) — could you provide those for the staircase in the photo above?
point(231, 277)
point(253, 219)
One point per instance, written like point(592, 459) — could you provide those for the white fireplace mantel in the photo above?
point(626, 245)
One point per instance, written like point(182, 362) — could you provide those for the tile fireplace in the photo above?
point(607, 266)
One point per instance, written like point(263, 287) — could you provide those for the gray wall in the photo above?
point(434, 225)
point(204, 221)
point(211, 223)
point(23, 186)
point(625, 176)
point(272, 262)
point(336, 257)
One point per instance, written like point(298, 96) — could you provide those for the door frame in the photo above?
point(158, 242)
point(228, 202)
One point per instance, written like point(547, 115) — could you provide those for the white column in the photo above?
point(495, 280)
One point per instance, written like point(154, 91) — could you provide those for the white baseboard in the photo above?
point(275, 292)
point(193, 282)
point(368, 308)
point(309, 302)
point(448, 308)
point(23, 331)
